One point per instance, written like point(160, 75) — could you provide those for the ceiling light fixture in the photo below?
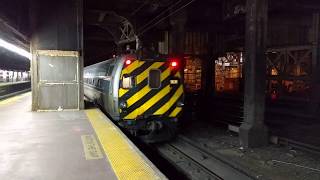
point(15, 49)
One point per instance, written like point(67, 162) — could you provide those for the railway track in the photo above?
point(197, 163)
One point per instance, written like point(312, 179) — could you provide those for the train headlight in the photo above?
point(123, 105)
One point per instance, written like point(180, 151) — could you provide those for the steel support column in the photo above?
point(314, 105)
point(253, 132)
point(57, 58)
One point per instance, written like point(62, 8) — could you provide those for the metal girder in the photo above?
point(118, 26)
point(284, 59)
point(127, 33)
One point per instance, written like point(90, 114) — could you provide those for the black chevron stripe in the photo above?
point(140, 69)
point(136, 89)
point(145, 98)
point(166, 114)
point(162, 101)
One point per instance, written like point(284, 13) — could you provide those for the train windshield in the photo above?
point(154, 79)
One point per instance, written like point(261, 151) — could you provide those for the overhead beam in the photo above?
point(12, 35)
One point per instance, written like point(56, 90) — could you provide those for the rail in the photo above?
point(197, 163)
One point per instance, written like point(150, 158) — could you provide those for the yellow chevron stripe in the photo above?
point(175, 112)
point(167, 105)
point(136, 64)
point(137, 96)
point(145, 73)
point(140, 94)
point(149, 103)
point(178, 74)
point(122, 92)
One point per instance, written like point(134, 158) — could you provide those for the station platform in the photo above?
point(10, 89)
point(69, 145)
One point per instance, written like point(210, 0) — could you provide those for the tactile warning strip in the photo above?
point(124, 157)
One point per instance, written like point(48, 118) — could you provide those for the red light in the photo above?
point(128, 61)
point(174, 64)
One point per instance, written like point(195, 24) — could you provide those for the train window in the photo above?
point(99, 83)
point(101, 71)
point(110, 70)
point(154, 79)
point(105, 85)
point(127, 82)
point(106, 69)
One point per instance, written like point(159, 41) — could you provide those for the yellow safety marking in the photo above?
point(167, 105)
point(122, 92)
point(136, 64)
point(137, 96)
point(91, 147)
point(149, 103)
point(142, 76)
point(175, 112)
point(126, 162)
point(178, 74)
point(14, 99)
point(140, 94)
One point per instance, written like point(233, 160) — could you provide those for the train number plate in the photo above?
point(174, 81)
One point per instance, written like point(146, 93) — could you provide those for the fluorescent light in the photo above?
point(15, 49)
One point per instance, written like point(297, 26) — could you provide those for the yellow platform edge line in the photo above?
point(13, 99)
point(125, 158)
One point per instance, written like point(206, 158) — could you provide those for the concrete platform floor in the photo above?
point(50, 145)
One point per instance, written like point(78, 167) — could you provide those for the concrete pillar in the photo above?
point(315, 100)
point(177, 33)
point(253, 132)
point(57, 58)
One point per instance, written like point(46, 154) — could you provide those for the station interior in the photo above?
point(231, 87)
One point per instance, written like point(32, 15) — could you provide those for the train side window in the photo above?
point(110, 70)
point(105, 85)
point(154, 79)
point(106, 68)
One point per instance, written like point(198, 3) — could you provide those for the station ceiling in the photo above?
point(102, 19)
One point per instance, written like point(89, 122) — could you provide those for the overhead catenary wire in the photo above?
point(171, 6)
point(140, 7)
point(177, 10)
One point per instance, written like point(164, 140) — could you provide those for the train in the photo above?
point(143, 96)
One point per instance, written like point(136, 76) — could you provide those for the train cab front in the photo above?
point(151, 97)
